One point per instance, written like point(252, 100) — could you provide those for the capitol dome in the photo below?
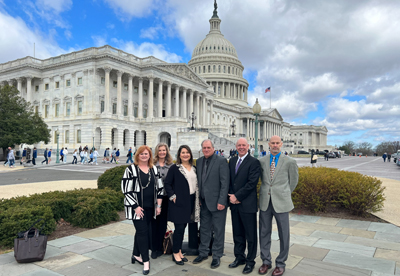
point(215, 59)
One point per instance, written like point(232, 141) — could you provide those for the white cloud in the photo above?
point(56, 6)
point(151, 33)
point(68, 34)
point(147, 49)
point(126, 9)
point(99, 40)
point(17, 30)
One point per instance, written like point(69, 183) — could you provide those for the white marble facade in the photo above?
point(110, 98)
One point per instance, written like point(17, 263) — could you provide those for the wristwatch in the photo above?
point(158, 206)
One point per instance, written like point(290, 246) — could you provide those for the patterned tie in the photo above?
point(272, 167)
point(238, 165)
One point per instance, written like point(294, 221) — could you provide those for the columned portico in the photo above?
point(159, 98)
point(150, 100)
point(168, 99)
point(140, 99)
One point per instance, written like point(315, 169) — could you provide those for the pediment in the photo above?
point(274, 113)
point(182, 70)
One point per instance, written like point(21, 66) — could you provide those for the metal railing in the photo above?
point(189, 129)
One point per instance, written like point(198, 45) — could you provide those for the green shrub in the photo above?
point(91, 212)
point(16, 220)
point(112, 178)
point(321, 188)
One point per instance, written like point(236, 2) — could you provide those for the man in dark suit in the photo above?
point(244, 174)
point(213, 181)
point(279, 175)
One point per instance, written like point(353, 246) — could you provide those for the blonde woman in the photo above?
point(163, 161)
point(143, 190)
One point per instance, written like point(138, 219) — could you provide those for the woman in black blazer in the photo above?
point(183, 192)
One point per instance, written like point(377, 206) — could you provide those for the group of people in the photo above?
point(157, 191)
point(386, 155)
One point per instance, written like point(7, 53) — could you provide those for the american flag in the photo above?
point(268, 90)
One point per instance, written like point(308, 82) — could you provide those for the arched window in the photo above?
point(222, 48)
point(219, 68)
point(204, 69)
point(209, 68)
point(224, 68)
point(195, 69)
point(214, 68)
point(229, 69)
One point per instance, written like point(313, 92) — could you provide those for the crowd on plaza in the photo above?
point(157, 191)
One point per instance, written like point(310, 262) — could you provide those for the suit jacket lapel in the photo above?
point(281, 160)
point(199, 166)
point(210, 165)
point(243, 162)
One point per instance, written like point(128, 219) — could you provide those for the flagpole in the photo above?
point(270, 99)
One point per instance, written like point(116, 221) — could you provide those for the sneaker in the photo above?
point(96, 164)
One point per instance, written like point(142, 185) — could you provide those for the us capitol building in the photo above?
point(110, 98)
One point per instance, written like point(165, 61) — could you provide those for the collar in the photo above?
point(247, 153)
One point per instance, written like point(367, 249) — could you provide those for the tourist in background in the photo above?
point(75, 154)
point(117, 156)
point(34, 156)
point(65, 155)
point(143, 190)
point(129, 155)
point(113, 155)
point(389, 156)
point(314, 158)
point(45, 157)
point(49, 155)
point(95, 155)
point(61, 154)
point(163, 161)
point(384, 157)
point(23, 159)
point(11, 157)
point(182, 190)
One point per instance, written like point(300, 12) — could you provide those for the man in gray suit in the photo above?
point(213, 180)
point(279, 175)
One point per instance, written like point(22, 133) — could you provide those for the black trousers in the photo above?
point(244, 226)
point(45, 160)
point(180, 229)
point(159, 227)
point(141, 242)
point(75, 160)
point(33, 161)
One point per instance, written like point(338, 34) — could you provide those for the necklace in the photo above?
point(148, 181)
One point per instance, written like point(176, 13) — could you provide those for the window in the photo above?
point(224, 68)
point(199, 69)
point(101, 106)
point(67, 136)
point(46, 111)
point(115, 84)
point(46, 86)
point(219, 68)
point(195, 69)
point(136, 90)
point(144, 112)
point(36, 88)
point(229, 69)
point(114, 110)
point(57, 110)
point(79, 107)
point(135, 110)
point(103, 80)
point(154, 95)
point(36, 109)
point(80, 81)
point(145, 92)
point(214, 68)
point(57, 84)
point(125, 86)
point(68, 107)
point(204, 69)
point(209, 68)
point(78, 136)
point(125, 110)
point(55, 137)
point(68, 83)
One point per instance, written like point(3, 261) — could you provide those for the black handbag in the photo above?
point(167, 242)
point(30, 246)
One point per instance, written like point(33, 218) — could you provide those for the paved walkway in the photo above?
point(319, 246)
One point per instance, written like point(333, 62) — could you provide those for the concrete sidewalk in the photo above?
point(319, 246)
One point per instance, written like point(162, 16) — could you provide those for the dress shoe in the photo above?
point(159, 253)
point(215, 263)
point(236, 263)
point(133, 260)
point(154, 254)
point(177, 262)
point(248, 269)
point(264, 269)
point(145, 272)
point(184, 259)
point(278, 271)
point(199, 259)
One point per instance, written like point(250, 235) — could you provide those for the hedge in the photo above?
point(86, 208)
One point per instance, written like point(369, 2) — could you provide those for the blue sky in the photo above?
point(332, 63)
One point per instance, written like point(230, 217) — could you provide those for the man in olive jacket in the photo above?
point(279, 175)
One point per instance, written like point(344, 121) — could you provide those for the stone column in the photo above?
point(176, 111)
point(223, 90)
point(247, 129)
point(168, 100)
point(198, 115)
point(228, 94)
point(107, 71)
point(119, 93)
point(245, 94)
point(204, 120)
point(191, 102)
point(211, 112)
point(19, 85)
point(184, 104)
point(265, 130)
point(130, 96)
point(140, 103)
point(150, 103)
point(159, 98)
point(29, 89)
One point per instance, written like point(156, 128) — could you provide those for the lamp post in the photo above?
point(93, 141)
point(233, 128)
point(192, 118)
point(256, 111)
point(58, 151)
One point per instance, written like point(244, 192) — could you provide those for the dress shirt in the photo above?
point(276, 159)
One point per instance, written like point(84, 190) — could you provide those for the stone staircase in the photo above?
point(221, 143)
